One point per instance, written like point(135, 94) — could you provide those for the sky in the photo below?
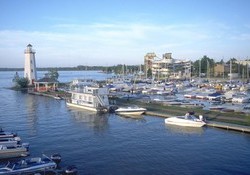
point(67, 33)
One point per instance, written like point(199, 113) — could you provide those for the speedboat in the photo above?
point(131, 110)
point(10, 141)
point(4, 134)
point(29, 165)
point(187, 120)
point(14, 151)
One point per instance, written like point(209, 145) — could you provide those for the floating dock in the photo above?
point(227, 126)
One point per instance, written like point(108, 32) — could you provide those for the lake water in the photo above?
point(113, 145)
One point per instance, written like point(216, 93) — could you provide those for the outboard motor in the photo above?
point(71, 170)
point(201, 117)
point(18, 139)
point(26, 145)
point(56, 158)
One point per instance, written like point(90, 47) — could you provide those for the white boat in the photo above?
point(10, 141)
point(4, 134)
point(187, 120)
point(14, 151)
point(241, 99)
point(131, 110)
point(28, 165)
point(89, 97)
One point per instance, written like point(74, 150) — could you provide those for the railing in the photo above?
point(100, 100)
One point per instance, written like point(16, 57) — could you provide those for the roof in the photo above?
point(47, 80)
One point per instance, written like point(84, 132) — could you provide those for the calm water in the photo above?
point(109, 144)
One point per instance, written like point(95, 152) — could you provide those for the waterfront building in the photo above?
point(30, 64)
point(220, 70)
point(167, 67)
point(148, 60)
point(46, 84)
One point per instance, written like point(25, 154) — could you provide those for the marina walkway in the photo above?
point(227, 126)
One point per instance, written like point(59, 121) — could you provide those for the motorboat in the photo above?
point(10, 141)
point(130, 110)
point(29, 165)
point(19, 150)
point(187, 120)
point(4, 134)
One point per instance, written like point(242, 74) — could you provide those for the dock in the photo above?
point(221, 125)
point(228, 126)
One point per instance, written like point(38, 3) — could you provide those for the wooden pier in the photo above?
point(227, 126)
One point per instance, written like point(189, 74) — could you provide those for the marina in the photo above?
point(125, 87)
point(112, 144)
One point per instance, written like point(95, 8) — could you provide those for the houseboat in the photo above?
point(89, 96)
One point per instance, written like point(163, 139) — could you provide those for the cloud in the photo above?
point(113, 43)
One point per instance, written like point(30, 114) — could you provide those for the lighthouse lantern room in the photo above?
point(30, 64)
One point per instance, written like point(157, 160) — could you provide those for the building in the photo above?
point(30, 64)
point(167, 67)
point(148, 60)
point(220, 70)
point(45, 84)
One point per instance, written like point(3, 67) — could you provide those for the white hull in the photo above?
point(81, 106)
point(13, 153)
point(131, 113)
point(184, 122)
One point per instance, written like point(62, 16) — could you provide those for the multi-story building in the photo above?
point(221, 70)
point(167, 67)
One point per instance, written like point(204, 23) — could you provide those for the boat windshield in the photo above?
point(134, 107)
point(188, 117)
point(10, 166)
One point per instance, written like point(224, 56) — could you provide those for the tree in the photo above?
point(202, 65)
point(53, 73)
point(149, 72)
point(235, 65)
point(22, 82)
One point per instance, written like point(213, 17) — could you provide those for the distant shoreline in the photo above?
point(56, 68)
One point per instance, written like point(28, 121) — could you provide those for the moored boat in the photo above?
point(10, 141)
point(187, 120)
point(28, 165)
point(90, 97)
point(4, 134)
point(14, 151)
point(131, 110)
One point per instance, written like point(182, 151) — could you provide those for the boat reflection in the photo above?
point(184, 129)
point(31, 112)
point(138, 118)
point(98, 122)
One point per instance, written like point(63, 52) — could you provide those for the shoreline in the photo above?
point(228, 121)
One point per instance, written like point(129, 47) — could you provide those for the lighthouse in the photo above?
point(30, 64)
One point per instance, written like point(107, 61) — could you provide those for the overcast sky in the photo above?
point(110, 32)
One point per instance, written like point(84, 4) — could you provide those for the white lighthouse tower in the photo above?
point(30, 64)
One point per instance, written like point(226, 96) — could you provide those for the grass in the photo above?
point(230, 117)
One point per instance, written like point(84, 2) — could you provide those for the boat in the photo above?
point(131, 110)
point(19, 150)
point(28, 165)
point(90, 97)
point(4, 134)
point(10, 141)
point(187, 120)
point(216, 108)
